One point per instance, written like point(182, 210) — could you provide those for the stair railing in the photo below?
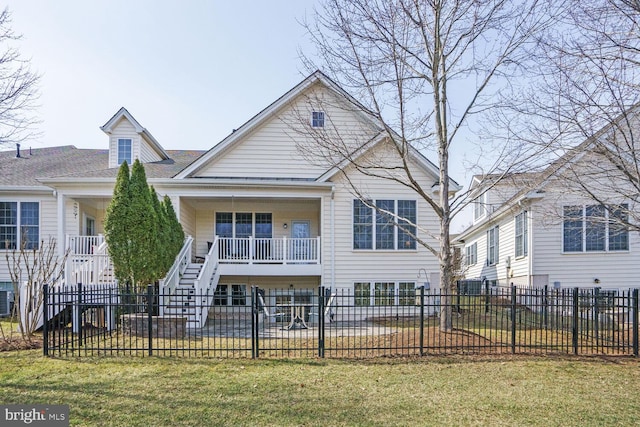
point(170, 282)
point(206, 283)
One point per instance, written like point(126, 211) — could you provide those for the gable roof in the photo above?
point(317, 77)
point(415, 154)
point(123, 113)
point(264, 115)
point(533, 183)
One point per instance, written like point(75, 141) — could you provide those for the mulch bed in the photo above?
point(14, 343)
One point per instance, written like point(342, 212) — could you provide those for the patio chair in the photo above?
point(276, 315)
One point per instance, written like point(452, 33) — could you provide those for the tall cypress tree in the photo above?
point(176, 233)
point(144, 235)
point(117, 224)
point(163, 249)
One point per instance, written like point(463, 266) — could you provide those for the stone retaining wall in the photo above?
point(137, 324)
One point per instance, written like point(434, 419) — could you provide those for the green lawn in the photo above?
point(428, 391)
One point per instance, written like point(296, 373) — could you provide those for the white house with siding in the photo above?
point(544, 229)
point(257, 211)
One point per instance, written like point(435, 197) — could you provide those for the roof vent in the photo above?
point(17, 151)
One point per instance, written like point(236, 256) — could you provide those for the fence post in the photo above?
point(150, 317)
point(487, 296)
point(45, 319)
point(545, 307)
point(321, 321)
point(78, 319)
point(255, 322)
point(596, 316)
point(513, 319)
point(575, 321)
point(634, 308)
point(421, 320)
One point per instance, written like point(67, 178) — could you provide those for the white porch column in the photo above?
point(62, 224)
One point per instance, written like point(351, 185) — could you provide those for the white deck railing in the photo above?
point(83, 245)
point(172, 279)
point(284, 250)
point(88, 261)
point(206, 283)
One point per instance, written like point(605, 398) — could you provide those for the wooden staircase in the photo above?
point(185, 303)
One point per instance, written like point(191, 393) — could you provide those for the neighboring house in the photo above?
point(544, 229)
point(269, 217)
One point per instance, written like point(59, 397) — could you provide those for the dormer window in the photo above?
point(317, 119)
point(124, 150)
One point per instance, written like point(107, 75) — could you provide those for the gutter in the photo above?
point(505, 209)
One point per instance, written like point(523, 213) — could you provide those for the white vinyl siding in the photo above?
point(275, 149)
point(351, 265)
point(148, 153)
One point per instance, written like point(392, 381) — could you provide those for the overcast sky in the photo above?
point(189, 71)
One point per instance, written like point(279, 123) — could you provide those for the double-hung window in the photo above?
point(522, 235)
point(479, 207)
point(492, 246)
point(385, 229)
point(471, 254)
point(19, 225)
point(388, 226)
point(124, 151)
point(595, 228)
point(362, 225)
point(317, 119)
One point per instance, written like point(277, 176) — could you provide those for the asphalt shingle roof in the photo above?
point(71, 162)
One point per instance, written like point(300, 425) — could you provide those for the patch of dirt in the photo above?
point(17, 343)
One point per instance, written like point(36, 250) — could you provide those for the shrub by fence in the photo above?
point(319, 323)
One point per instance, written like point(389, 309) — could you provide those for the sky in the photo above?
point(189, 71)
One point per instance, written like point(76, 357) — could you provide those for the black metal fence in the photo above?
point(320, 323)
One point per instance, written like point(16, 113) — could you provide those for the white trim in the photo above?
point(396, 291)
point(269, 112)
point(396, 229)
point(122, 112)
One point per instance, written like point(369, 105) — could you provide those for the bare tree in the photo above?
point(424, 71)
point(29, 269)
point(587, 103)
point(18, 88)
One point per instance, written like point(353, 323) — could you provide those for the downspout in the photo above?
point(332, 241)
point(530, 244)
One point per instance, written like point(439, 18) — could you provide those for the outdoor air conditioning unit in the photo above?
point(4, 303)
